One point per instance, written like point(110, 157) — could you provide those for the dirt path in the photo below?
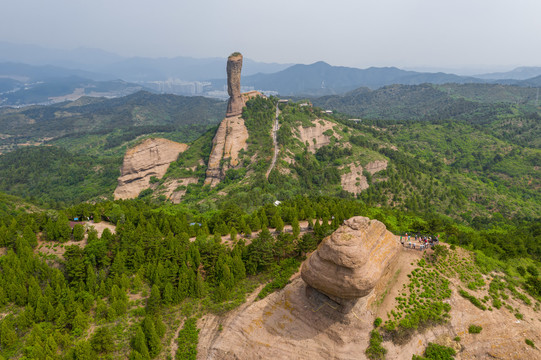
point(275, 128)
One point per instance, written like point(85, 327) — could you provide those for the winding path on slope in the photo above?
point(275, 128)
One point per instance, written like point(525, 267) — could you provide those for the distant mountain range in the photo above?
point(321, 78)
point(31, 74)
point(106, 65)
point(520, 73)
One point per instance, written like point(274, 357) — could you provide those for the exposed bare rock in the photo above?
point(349, 263)
point(294, 323)
point(173, 193)
point(314, 134)
point(375, 166)
point(232, 133)
point(149, 158)
point(354, 181)
point(229, 140)
point(236, 102)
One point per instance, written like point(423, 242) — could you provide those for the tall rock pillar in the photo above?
point(232, 133)
point(236, 103)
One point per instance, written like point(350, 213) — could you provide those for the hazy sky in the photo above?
point(360, 33)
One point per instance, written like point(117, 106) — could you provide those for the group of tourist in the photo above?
point(418, 241)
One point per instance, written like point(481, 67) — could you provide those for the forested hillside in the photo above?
point(106, 123)
point(129, 278)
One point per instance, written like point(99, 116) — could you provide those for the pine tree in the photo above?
point(154, 301)
point(8, 336)
point(237, 268)
point(91, 279)
point(199, 287)
point(295, 227)
point(78, 232)
point(140, 344)
point(233, 234)
point(29, 236)
point(61, 318)
point(278, 222)
point(168, 294)
point(153, 340)
point(220, 293)
point(102, 340)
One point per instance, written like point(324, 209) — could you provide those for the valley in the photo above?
point(159, 226)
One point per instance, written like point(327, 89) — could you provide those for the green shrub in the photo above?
point(475, 301)
point(475, 329)
point(530, 343)
point(377, 322)
point(375, 351)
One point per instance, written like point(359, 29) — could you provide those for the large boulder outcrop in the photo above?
point(149, 158)
point(349, 263)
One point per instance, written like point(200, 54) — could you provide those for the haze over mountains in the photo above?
point(35, 75)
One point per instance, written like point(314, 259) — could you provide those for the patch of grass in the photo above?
point(530, 343)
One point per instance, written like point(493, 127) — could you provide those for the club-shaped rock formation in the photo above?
point(236, 102)
point(232, 133)
point(348, 264)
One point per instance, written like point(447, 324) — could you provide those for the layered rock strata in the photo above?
point(149, 158)
point(348, 264)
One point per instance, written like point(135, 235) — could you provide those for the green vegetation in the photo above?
point(375, 351)
point(464, 179)
point(420, 303)
point(530, 343)
point(54, 177)
point(472, 299)
point(474, 329)
point(187, 340)
point(436, 352)
point(281, 275)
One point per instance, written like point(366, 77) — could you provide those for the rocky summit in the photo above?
point(349, 263)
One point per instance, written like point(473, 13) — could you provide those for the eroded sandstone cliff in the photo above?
point(149, 158)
